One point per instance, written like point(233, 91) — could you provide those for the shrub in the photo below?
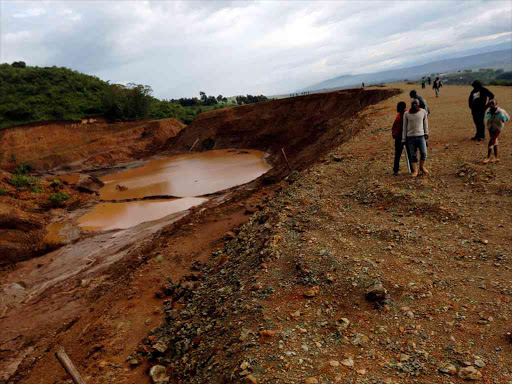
point(35, 188)
point(2, 191)
point(58, 198)
point(21, 181)
point(55, 183)
point(22, 169)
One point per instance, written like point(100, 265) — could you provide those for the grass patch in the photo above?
point(2, 192)
point(35, 188)
point(22, 169)
point(59, 198)
point(21, 181)
point(55, 183)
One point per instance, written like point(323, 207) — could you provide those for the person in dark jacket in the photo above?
point(437, 85)
point(396, 131)
point(478, 99)
point(421, 100)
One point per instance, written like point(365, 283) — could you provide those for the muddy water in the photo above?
point(186, 175)
point(107, 216)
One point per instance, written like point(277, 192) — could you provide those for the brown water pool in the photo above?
point(186, 175)
point(105, 216)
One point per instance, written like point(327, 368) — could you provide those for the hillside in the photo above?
point(481, 60)
point(36, 94)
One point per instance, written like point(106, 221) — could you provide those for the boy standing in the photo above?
point(396, 131)
point(415, 133)
point(496, 119)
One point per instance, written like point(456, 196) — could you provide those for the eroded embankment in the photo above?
point(306, 127)
point(50, 145)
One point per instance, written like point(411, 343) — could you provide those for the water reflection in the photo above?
point(186, 175)
point(107, 216)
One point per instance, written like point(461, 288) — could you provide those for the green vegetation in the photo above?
point(35, 188)
point(29, 94)
point(20, 181)
point(55, 183)
point(250, 99)
point(32, 94)
point(22, 169)
point(487, 76)
point(2, 192)
point(58, 198)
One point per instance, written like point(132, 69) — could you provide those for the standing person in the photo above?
point(421, 100)
point(396, 131)
point(496, 119)
point(478, 105)
point(429, 80)
point(423, 82)
point(436, 86)
point(415, 133)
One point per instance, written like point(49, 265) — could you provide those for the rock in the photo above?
point(404, 357)
point(334, 363)
point(256, 287)
point(470, 373)
point(250, 379)
point(229, 235)
point(267, 333)
point(376, 293)
point(245, 365)
point(448, 368)
point(159, 374)
point(133, 362)
point(89, 184)
point(348, 362)
point(160, 347)
point(479, 363)
point(312, 292)
point(311, 380)
point(360, 339)
point(342, 324)
point(362, 372)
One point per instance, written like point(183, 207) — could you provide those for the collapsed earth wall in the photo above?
point(305, 127)
point(51, 145)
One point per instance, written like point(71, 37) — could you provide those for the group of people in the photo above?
point(410, 128)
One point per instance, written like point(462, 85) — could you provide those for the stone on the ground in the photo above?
point(470, 373)
point(376, 292)
point(158, 374)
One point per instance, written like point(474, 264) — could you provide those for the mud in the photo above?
point(106, 216)
point(186, 175)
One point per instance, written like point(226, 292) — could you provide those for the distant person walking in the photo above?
point(429, 80)
point(423, 103)
point(478, 105)
point(437, 86)
point(415, 134)
point(423, 82)
point(496, 119)
point(396, 131)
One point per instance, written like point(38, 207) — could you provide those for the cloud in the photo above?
point(234, 47)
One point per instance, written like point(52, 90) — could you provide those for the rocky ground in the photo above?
point(339, 273)
point(352, 275)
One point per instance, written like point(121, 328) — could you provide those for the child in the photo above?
point(496, 119)
point(397, 135)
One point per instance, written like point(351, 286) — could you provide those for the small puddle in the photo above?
point(106, 216)
point(186, 175)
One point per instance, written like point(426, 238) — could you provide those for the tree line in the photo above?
point(31, 94)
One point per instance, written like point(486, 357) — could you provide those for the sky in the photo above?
point(270, 47)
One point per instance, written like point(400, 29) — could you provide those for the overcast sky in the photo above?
point(239, 47)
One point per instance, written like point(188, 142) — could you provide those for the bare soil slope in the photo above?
point(305, 127)
point(50, 145)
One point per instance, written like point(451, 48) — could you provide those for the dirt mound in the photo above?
point(24, 214)
point(305, 127)
point(47, 146)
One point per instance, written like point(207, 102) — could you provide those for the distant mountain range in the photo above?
point(480, 60)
